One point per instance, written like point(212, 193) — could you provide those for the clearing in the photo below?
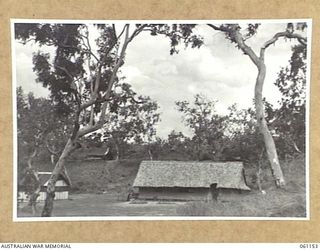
point(100, 188)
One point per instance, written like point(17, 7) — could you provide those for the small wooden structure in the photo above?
point(178, 180)
point(62, 188)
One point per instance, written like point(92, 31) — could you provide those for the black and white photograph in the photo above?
point(164, 120)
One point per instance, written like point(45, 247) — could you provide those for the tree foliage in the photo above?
point(207, 126)
point(291, 116)
point(39, 123)
point(131, 118)
point(178, 33)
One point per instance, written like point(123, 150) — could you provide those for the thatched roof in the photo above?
point(44, 178)
point(190, 174)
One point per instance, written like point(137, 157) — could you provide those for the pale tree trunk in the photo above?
point(35, 193)
point(34, 196)
point(268, 140)
point(58, 169)
point(233, 32)
point(258, 101)
point(258, 173)
point(263, 128)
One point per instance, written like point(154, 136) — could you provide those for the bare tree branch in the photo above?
point(87, 44)
point(118, 64)
point(123, 29)
point(99, 124)
point(91, 128)
point(137, 32)
point(237, 36)
point(94, 91)
point(286, 34)
point(219, 28)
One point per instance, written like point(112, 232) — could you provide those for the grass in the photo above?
point(257, 205)
point(289, 201)
point(275, 203)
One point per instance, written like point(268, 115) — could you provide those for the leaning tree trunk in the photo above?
point(36, 192)
point(58, 169)
point(77, 133)
point(263, 128)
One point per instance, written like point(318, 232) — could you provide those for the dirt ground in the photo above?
point(275, 203)
point(104, 205)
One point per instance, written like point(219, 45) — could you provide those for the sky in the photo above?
point(218, 70)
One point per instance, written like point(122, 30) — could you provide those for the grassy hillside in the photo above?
point(98, 176)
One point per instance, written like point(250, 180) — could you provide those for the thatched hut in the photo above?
point(178, 180)
point(62, 188)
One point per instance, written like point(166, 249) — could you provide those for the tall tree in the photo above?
point(80, 71)
point(78, 74)
point(236, 35)
point(206, 124)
